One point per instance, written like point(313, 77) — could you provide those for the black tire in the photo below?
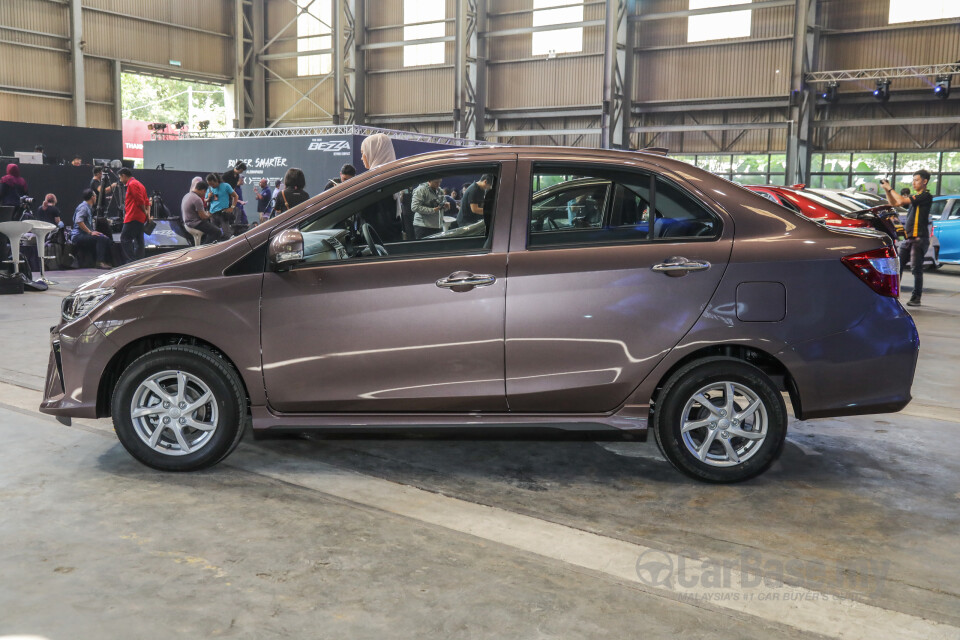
point(936, 264)
point(684, 384)
point(223, 382)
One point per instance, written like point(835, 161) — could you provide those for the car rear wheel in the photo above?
point(720, 420)
point(179, 408)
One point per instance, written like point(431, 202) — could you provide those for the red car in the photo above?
point(834, 211)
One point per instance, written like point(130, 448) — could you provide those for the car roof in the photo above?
point(560, 153)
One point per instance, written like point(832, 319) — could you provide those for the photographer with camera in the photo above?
point(917, 229)
point(97, 183)
point(136, 215)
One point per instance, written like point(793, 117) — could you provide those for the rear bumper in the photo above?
point(866, 369)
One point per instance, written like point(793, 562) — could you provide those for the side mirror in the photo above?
point(286, 249)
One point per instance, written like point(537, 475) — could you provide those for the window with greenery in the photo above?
point(756, 168)
point(424, 19)
point(156, 99)
point(314, 34)
point(718, 26)
point(864, 170)
point(554, 41)
point(913, 11)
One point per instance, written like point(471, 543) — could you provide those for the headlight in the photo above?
point(77, 305)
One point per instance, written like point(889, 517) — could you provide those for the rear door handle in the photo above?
point(678, 266)
point(460, 281)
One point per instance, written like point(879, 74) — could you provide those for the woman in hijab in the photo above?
point(376, 150)
point(384, 216)
point(12, 187)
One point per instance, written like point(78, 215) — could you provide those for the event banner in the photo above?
point(320, 157)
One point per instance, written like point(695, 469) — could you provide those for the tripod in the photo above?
point(104, 203)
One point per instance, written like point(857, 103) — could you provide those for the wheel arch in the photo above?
point(759, 358)
point(136, 348)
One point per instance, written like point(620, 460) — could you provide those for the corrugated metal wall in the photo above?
point(284, 87)
point(394, 90)
point(36, 78)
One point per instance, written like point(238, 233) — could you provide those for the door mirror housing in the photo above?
point(286, 249)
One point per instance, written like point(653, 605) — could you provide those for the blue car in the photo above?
point(945, 218)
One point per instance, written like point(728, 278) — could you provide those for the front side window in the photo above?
point(936, 209)
point(414, 216)
point(954, 210)
point(581, 206)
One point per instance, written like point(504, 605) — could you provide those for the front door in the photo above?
point(393, 333)
point(947, 230)
point(594, 303)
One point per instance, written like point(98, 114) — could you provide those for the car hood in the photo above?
point(157, 268)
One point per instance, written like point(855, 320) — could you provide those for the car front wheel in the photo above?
point(179, 408)
point(720, 420)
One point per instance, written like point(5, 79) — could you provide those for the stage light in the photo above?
point(882, 92)
point(157, 126)
point(831, 93)
point(180, 124)
point(204, 124)
point(942, 87)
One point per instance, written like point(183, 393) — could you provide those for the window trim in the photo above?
point(481, 167)
point(610, 173)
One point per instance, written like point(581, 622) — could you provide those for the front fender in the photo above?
point(226, 316)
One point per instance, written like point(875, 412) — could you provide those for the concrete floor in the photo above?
point(855, 528)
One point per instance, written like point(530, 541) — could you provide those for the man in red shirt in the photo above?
point(136, 214)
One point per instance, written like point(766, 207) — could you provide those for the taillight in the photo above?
point(879, 268)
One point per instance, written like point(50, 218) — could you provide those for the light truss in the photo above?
point(891, 73)
point(320, 130)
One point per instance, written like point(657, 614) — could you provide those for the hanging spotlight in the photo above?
point(157, 126)
point(882, 92)
point(204, 124)
point(942, 87)
point(831, 93)
point(180, 124)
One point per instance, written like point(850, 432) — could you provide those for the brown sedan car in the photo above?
point(583, 288)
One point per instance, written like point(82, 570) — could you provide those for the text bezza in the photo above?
point(329, 146)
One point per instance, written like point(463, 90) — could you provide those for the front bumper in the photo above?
point(78, 357)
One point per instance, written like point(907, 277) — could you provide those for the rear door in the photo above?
point(592, 309)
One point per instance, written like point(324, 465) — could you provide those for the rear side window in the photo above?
point(581, 206)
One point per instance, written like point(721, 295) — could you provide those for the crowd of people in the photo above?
point(216, 207)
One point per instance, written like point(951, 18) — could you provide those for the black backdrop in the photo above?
point(68, 182)
point(61, 143)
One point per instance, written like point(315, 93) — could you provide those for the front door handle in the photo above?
point(461, 281)
point(678, 266)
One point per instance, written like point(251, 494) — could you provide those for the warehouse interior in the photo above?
point(450, 529)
